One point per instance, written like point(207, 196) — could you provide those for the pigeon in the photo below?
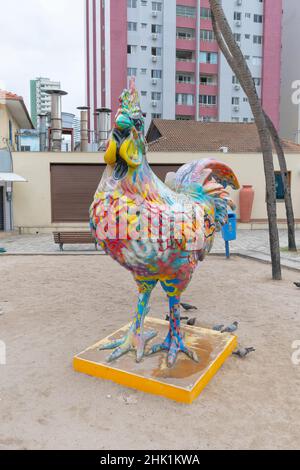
point(297, 284)
point(181, 318)
point(188, 307)
point(243, 352)
point(218, 327)
point(230, 328)
point(191, 321)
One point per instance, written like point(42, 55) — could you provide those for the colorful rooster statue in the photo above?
point(159, 232)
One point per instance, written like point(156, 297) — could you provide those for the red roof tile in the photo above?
point(192, 136)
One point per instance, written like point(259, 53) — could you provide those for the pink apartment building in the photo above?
point(169, 46)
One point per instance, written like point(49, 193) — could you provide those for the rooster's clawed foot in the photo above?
point(174, 345)
point(131, 341)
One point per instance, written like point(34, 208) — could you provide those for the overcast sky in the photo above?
point(43, 38)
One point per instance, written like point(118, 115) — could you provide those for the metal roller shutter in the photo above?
point(73, 187)
point(72, 191)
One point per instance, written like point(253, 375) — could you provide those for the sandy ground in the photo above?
point(54, 307)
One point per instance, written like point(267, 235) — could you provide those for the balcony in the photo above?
point(209, 46)
point(185, 110)
point(186, 44)
point(208, 89)
point(211, 69)
point(185, 66)
point(184, 22)
point(182, 87)
point(209, 110)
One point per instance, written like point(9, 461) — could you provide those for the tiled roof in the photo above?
point(191, 136)
point(7, 95)
point(18, 109)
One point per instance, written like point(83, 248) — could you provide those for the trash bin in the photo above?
point(229, 231)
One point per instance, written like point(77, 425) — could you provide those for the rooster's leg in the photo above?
point(136, 338)
point(174, 342)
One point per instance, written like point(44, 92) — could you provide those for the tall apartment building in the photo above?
point(290, 85)
point(169, 46)
point(40, 102)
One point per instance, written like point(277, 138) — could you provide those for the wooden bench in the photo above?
point(70, 238)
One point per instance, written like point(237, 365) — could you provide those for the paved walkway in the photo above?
point(251, 243)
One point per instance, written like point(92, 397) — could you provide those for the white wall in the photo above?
point(32, 200)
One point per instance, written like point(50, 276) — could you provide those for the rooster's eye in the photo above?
point(137, 124)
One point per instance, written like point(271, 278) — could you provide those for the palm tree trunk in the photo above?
point(239, 65)
point(287, 191)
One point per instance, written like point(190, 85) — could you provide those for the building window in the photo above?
point(184, 118)
point(156, 96)
point(131, 49)
point(156, 6)
point(235, 100)
point(205, 13)
point(247, 15)
point(132, 26)
point(208, 57)
point(10, 131)
point(143, 93)
point(237, 37)
point(208, 119)
point(184, 78)
point(132, 72)
point(207, 35)
point(131, 3)
point(257, 81)
point(257, 39)
point(156, 51)
point(156, 116)
point(235, 119)
point(144, 71)
point(237, 16)
point(185, 33)
point(156, 28)
point(184, 56)
point(156, 73)
point(207, 100)
point(258, 18)
point(235, 80)
point(280, 186)
point(186, 11)
point(208, 80)
point(185, 99)
point(144, 25)
point(144, 48)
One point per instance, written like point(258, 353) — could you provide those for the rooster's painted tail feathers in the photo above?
point(206, 181)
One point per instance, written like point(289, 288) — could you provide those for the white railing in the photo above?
point(184, 60)
point(186, 39)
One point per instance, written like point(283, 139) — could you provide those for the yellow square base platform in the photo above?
point(183, 383)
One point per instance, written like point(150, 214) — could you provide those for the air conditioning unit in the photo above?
point(154, 14)
point(236, 108)
point(237, 87)
point(238, 23)
point(154, 81)
point(239, 2)
point(154, 36)
point(154, 58)
point(154, 104)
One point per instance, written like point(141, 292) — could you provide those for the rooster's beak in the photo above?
point(130, 154)
point(110, 156)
